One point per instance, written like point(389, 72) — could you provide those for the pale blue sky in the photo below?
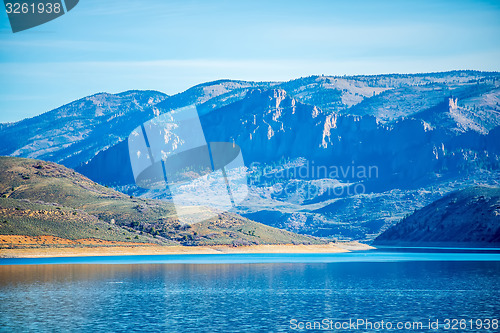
point(117, 45)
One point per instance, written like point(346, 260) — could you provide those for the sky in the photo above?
point(169, 46)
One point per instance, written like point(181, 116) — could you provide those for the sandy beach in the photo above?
point(143, 249)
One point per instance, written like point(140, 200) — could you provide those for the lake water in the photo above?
point(254, 293)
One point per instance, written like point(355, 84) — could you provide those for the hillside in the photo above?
point(469, 217)
point(41, 198)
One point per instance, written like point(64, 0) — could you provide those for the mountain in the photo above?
point(342, 157)
point(270, 125)
point(75, 132)
point(41, 198)
point(469, 217)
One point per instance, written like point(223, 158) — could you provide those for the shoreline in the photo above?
point(179, 249)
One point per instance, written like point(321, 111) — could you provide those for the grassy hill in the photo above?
point(39, 198)
point(469, 217)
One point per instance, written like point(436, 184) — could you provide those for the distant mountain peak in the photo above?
point(75, 132)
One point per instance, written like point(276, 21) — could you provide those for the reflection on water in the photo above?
point(377, 255)
point(240, 297)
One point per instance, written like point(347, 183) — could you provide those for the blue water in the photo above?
point(249, 293)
